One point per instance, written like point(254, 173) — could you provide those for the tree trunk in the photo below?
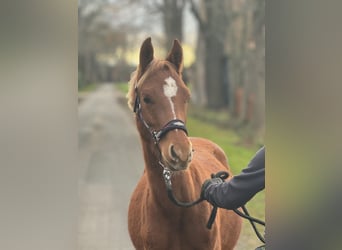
point(238, 97)
point(258, 121)
point(212, 22)
point(199, 95)
point(216, 92)
point(173, 21)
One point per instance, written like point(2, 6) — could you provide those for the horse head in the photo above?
point(160, 98)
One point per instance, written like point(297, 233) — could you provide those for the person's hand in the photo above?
point(208, 183)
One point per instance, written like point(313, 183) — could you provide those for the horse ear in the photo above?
point(146, 55)
point(175, 56)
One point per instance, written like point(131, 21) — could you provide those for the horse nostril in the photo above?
point(173, 153)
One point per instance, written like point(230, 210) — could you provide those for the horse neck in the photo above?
point(153, 169)
point(156, 182)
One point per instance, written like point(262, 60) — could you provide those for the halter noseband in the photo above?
point(157, 135)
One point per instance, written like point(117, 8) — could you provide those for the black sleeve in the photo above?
point(241, 188)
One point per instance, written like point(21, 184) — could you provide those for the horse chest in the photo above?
point(182, 231)
point(177, 239)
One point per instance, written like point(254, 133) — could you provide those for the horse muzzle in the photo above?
point(177, 155)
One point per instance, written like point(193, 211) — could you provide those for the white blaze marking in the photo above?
point(170, 90)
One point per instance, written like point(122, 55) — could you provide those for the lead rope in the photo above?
point(222, 175)
point(252, 221)
point(167, 178)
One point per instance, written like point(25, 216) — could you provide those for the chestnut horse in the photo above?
point(159, 98)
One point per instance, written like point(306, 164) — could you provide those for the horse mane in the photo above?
point(131, 86)
point(137, 77)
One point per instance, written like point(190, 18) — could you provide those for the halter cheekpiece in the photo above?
point(157, 135)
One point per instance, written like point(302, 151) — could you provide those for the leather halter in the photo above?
point(157, 135)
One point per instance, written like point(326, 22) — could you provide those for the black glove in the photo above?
point(208, 183)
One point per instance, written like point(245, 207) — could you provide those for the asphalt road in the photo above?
point(111, 163)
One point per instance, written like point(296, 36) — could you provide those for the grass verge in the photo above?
point(88, 88)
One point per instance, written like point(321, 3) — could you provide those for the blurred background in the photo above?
point(49, 141)
point(223, 43)
point(224, 66)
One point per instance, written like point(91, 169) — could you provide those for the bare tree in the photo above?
point(229, 68)
point(246, 49)
point(257, 74)
point(86, 55)
point(96, 36)
point(171, 13)
point(212, 20)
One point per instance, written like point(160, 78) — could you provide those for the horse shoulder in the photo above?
point(206, 146)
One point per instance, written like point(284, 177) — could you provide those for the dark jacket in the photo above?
point(241, 188)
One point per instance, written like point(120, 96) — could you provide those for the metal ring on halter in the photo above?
point(167, 178)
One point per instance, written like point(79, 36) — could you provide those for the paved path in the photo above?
point(110, 165)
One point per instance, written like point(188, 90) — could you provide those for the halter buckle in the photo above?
point(167, 177)
point(156, 136)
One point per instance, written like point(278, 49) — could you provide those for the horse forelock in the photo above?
point(137, 77)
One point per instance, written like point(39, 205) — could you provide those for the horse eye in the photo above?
point(147, 100)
